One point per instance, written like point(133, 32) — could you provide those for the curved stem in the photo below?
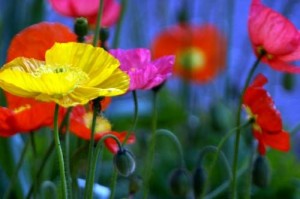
point(238, 121)
point(119, 24)
point(60, 154)
point(172, 137)
point(16, 171)
point(98, 23)
point(217, 151)
point(150, 154)
point(95, 159)
point(135, 117)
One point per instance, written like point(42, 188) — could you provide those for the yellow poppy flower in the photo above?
point(72, 74)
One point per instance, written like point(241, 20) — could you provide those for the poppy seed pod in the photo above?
point(124, 162)
point(199, 179)
point(180, 182)
point(81, 27)
point(261, 172)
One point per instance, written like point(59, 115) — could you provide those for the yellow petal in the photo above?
point(94, 61)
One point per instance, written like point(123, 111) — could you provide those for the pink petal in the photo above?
point(272, 31)
point(283, 66)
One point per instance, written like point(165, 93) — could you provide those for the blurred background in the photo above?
point(207, 114)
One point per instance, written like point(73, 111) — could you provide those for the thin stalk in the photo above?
point(249, 175)
point(16, 171)
point(150, 154)
point(41, 168)
point(135, 117)
point(67, 153)
point(217, 153)
point(98, 23)
point(175, 140)
point(238, 121)
point(119, 24)
point(60, 155)
point(89, 185)
point(113, 183)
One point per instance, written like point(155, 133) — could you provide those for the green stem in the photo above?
point(95, 159)
point(225, 185)
point(135, 117)
point(98, 23)
point(60, 154)
point(16, 171)
point(119, 24)
point(173, 137)
point(150, 154)
point(33, 144)
point(249, 174)
point(67, 153)
point(113, 183)
point(238, 133)
point(41, 168)
point(217, 151)
point(90, 183)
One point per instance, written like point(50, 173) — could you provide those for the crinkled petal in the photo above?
point(272, 31)
point(95, 62)
point(279, 140)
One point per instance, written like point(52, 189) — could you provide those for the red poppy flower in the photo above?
point(200, 50)
point(267, 127)
point(24, 114)
point(89, 10)
point(275, 35)
point(81, 121)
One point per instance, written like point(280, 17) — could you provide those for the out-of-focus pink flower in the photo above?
point(89, 9)
point(275, 35)
point(144, 73)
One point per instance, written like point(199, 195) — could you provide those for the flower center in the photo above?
point(192, 58)
point(102, 124)
point(250, 114)
point(261, 51)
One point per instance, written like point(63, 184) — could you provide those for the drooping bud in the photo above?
point(288, 81)
point(124, 162)
point(180, 182)
point(261, 172)
point(81, 28)
point(199, 179)
point(135, 184)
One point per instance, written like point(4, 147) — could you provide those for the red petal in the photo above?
point(279, 141)
point(283, 66)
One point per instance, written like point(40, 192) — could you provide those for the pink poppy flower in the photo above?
point(144, 73)
point(89, 9)
point(275, 35)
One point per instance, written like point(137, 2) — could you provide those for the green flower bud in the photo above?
point(124, 162)
point(199, 179)
point(288, 81)
point(135, 184)
point(261, 172)
point(81, 28)
point(180, 182)
point(104, 34)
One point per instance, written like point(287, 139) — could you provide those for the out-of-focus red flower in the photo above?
point(80, 124)
point(24, 114)
point(273, 34)
point(267, 127)
point(200, 50)
point(35, 40)
point(89, 10)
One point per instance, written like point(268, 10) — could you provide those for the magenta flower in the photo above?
point(144, 73)
point(89, 9)
point(275, 35)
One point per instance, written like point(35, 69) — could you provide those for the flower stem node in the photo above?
point(199, 179)
point(81, 28)
point(261, 174)
point(180, 182)
point(124, 162)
